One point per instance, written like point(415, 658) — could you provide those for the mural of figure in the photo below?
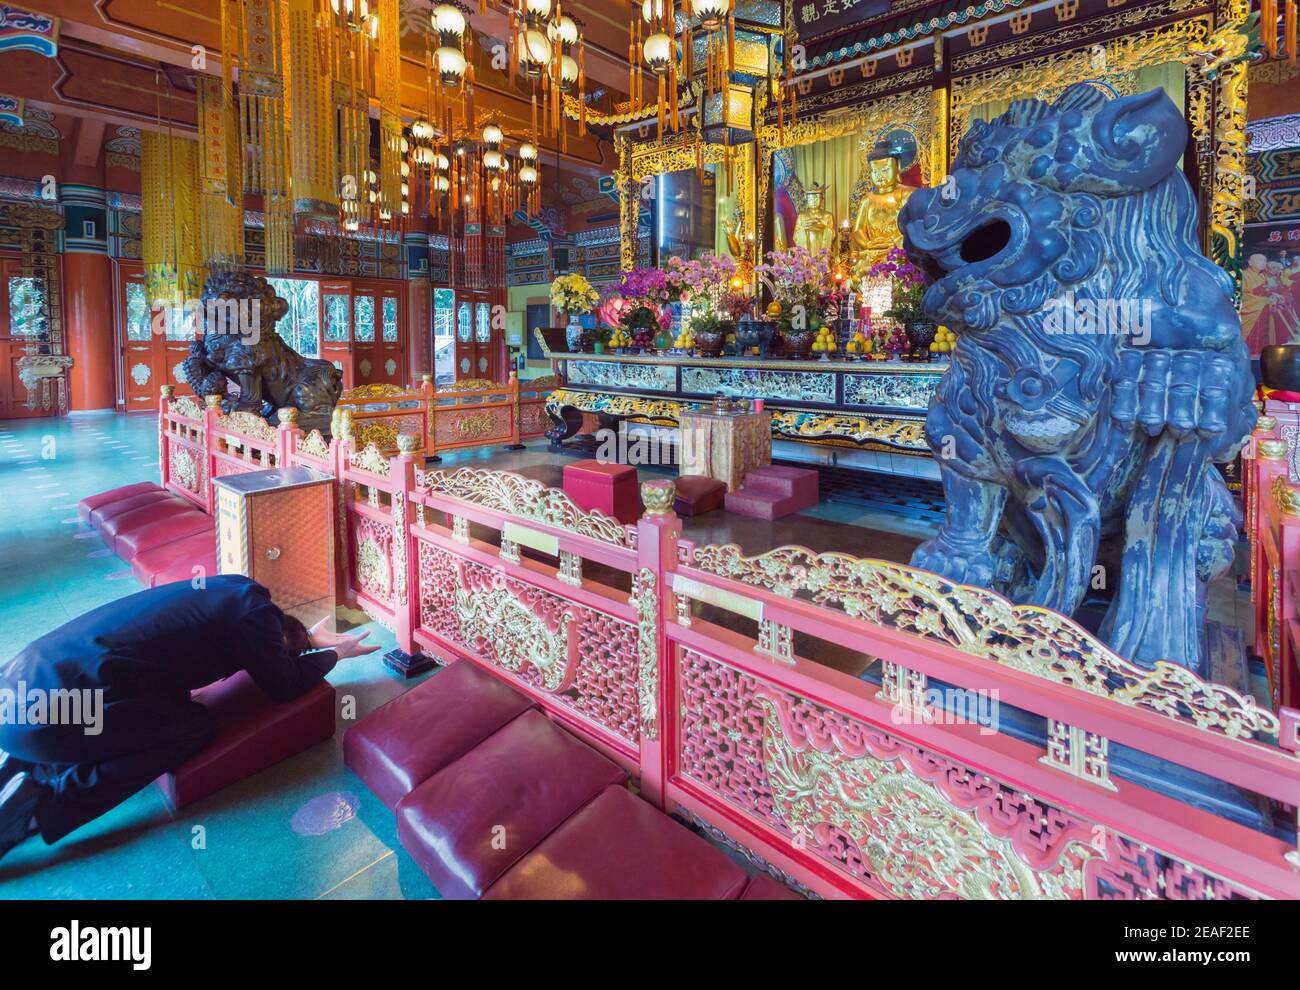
point(1100, 370)
point(1268, 305)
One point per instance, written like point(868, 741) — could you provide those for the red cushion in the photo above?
point(154, 532)
point(102, 518)
point(697, 494)
point(179, 558)
point(467, 824)
point(621, 848)
point(405, 742)
point(252, 733)
point(608, 488)
point(606, 469)
point(764, 888)
point(92, 502)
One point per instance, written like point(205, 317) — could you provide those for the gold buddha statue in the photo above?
point(815, 227)
point(876, 229)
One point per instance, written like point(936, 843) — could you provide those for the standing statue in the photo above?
point(237, 315)
point(1099, 372)
point(815, 227)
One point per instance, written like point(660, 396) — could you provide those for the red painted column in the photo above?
point(88, 324)
point(88, 315)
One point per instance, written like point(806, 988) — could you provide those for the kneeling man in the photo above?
point(133, 664)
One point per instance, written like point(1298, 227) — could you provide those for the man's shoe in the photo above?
point(18, 802)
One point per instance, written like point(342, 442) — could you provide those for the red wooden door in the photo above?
point(378, 353)
point(336, 326)
point(476, 350)
point(24, 318)
point(153, 343)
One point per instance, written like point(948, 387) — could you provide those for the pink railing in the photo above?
point(700, 671)
point(471, 413)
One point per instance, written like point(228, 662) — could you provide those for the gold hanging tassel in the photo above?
point(1291, 31)
point(582, 89)
point(672, 65)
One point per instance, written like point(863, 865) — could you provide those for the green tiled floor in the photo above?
point(239, 843)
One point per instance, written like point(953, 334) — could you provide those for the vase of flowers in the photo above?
point(801, 287)
point(573, 295)
point(909, 285)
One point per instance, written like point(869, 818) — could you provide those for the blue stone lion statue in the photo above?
point(1099, 373)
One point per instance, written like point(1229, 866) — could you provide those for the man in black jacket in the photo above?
point(125, 671)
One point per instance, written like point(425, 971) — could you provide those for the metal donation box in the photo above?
point(277, 527)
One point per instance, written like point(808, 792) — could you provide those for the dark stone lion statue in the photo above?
point(237, 316)
point(1099, 373)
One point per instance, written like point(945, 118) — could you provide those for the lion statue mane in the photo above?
point(1099, 373)
point(270, 374)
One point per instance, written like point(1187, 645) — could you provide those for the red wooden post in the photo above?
point(430, 417)
point(340, 451)
point(516, 414)
point(407, 659)
point(1268, 462)
point(164, 407)
point(286, 437)
point(211, 410)
point(658, 530)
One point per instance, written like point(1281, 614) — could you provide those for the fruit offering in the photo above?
point(944, 341)
point(684, 341)
point(824, 342)
point(620, 339)
point(644, 339)
point(858, 345)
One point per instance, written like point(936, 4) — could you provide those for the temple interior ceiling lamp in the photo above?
point(548, 49)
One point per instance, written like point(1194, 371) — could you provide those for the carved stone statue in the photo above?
point(815, 227)
point(1099, 372)
point(875, 230)
point(238, 314)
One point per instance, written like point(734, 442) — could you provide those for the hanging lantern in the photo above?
point(652, 10)
point(528, 152)
point(711, 13)
point(493, 161)
point(534, 52)
point(540, 9)
point(528, 175)
point(493, 135)
point(568, 73)
point(563, 31)
point(449, 22)
point(658, 50)
point(727, 116)
point(451, 65)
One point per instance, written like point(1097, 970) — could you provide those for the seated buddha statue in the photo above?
point(876, 229)
point(815, 227)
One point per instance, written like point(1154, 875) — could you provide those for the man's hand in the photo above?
point(345, 646)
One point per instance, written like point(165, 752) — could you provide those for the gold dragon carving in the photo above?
point(983, 624)
point(517, 635)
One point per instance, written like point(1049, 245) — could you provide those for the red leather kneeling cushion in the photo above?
point(104, 518)
point(620, 847)
point(92, 502)
point(467, 824)
point(252, 733)
point(764, 888)
point(176, 561)
point(608, 488)
point(697, 494)
point(404, 743)
point(155, 532)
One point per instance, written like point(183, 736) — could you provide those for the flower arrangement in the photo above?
point(909, 285)
point(573, 294)
point(801, 284)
